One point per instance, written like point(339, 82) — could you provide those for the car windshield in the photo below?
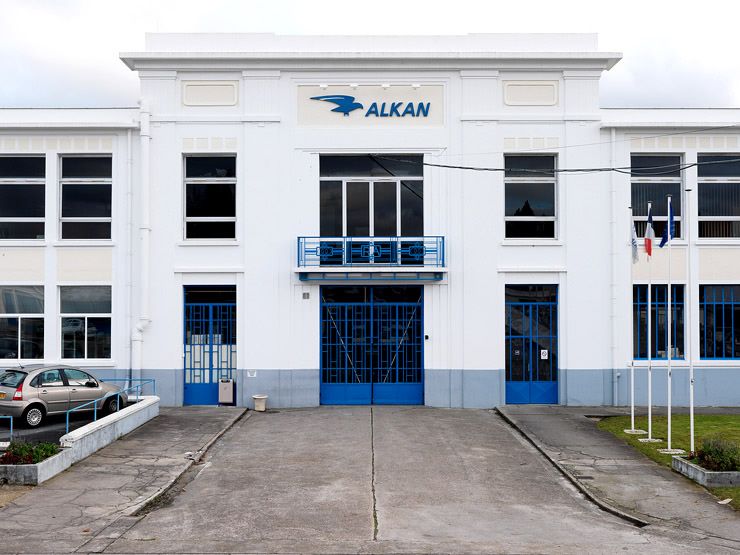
point(11, 378)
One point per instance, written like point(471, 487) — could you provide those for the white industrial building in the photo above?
point(356, 220)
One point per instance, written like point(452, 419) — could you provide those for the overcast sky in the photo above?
point(65, 52)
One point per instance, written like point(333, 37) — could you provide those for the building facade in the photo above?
point(357, 220)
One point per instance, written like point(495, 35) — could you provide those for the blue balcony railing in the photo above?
point(323, 252)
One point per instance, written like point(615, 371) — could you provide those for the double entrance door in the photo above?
point(531, 344)
point(209, 342)
point(372, 345)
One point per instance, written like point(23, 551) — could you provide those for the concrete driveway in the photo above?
point(383, 479)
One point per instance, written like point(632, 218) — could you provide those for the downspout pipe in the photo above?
point(144, 238)
point(130, 253)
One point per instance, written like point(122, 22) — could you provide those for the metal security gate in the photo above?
point(209, 348)
point(531, 344)
point(372, 345)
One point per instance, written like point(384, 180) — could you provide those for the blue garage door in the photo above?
point(209, 342)
point(531, 344)
point(372, 345)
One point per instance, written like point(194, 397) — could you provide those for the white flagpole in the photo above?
point(649, 438)
point(635, 260)
point(669, 326)
point(688, 303)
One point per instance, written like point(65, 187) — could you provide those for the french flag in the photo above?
point(649, 233)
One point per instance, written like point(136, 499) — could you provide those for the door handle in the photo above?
point(43, 392)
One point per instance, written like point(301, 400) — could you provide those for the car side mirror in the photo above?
point(91, 384)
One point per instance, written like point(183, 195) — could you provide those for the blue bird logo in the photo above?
point(345, 103)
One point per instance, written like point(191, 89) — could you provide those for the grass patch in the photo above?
point(726, 426)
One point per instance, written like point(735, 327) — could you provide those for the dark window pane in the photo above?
point(723, 165)
point(342, 294)
point(86, 201)
point(98, 338)
point(73, 338)
point(210, 200)
point(722, 230)
point(657, 193)
point(24, 167)
point(330, 224)
point(27, 299)
point(210, 294)
point(412, 208)
point(384, 208)
point(210, 230)
point(523, 230)
point(87, 166)
point(657, 166)
point(85, 299)
point(32, 338)
point(530, 199)
point(358, 209)
point(531, 293)
point(21, 201)
point(8, 338)
point(210, 166)
point(368, 165)
point(21, 230)
point(405, 294)
point(529, 166)
point(719, 199)
point(658, 228)
point(86, 230)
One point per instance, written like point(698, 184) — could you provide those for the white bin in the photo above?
point(260, 402)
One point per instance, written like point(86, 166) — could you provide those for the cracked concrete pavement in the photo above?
point(67, 511)
point(616, 473)
point(384, 479)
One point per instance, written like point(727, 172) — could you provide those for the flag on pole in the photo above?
point(670, 228)
point(649, 232)
point(635, 256)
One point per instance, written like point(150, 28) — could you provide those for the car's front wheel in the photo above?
point(33, 416)
point(113, 404)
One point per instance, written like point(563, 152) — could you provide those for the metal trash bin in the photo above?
point(226, 391)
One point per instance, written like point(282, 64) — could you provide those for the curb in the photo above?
point(603, 505)
point(133, 510)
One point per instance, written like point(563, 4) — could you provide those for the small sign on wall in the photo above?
point(544, 354)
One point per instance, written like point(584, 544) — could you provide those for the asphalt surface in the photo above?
point(383, 479)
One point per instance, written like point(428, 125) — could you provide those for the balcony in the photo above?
point(388, 258)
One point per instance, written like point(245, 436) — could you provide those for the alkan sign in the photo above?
point(371, 105)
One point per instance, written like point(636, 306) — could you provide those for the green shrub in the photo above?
point(719, 454)
point(22, 452)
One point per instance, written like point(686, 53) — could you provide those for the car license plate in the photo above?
point(2, 395)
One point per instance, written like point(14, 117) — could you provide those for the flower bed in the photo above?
point(22, 452)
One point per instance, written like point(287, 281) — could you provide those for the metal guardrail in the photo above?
point(138, 388)
point(371, 251)
point(10, 418)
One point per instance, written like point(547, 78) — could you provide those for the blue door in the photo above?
point(372, 345)
point(210, 350)
point(531, 344)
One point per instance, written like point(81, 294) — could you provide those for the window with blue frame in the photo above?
point(719, 321)
point(659, 317)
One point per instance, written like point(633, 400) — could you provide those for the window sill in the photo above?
point(734, 242)
point(87, 362)
point(207, 243)
point(531, 243)
point(84, 243)
point(22, 242)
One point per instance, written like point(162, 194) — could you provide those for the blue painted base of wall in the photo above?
point(469, 388)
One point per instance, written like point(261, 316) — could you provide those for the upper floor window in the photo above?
point(719, 195)
point(21, 322)
point(371, 196)
point(86, 321)
point(654, 177)
point(210, 197)
point(85, 207)
point(22, 197)
point(529, 205)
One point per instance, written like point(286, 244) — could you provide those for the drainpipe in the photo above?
point(130, 252)
point(615, 245)
point(144, 238)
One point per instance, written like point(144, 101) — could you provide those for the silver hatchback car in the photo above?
point(33, 392)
